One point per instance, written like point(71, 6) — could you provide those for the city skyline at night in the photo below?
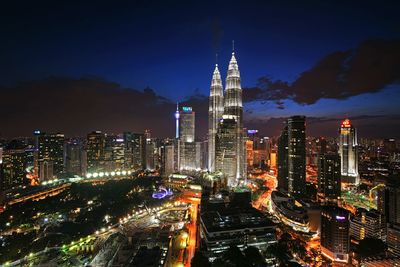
point(200, 133)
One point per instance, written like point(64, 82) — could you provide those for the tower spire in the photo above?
point(233, 46)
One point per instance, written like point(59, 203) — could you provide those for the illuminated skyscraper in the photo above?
point(329, 177)
point(292, 156)
point(225, 150)
point(96, 143)
point(13, 168)
point(283, 161)
point(74, 158)
point(186, 124)
point(297, 154)
point(215, 111)
point(335, 240)
point(185, 143)
point(348, 147)
point(51, 150)
point(233, 108)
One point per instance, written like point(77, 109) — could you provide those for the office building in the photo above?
point(215, 111)
point(226, 148)
point(393, 239)
point(329, 177)
point(368, 224)
point(187, 125)
point(348, 151)
point(249, 154)
point(335, 241)
point(51, 153)
point(237, 224)
point(74, 158)
point(13, 168)
point(388, 201)
point(95, 148)
point(292, 156)
point(297, 155)
point(151, 154)
point(233, 108)
point(138, 151)
point(118, 153)
point(168, 160)
point(283, 161)
point(46, 170)
point(187, 146)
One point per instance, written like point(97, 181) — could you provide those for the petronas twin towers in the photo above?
point(226, 151)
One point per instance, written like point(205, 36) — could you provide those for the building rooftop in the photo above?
point(234, 218)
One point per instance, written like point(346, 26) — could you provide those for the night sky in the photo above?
point(114, 66)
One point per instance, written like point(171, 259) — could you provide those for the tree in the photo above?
point(232, 257)
point(254, 257)
point(371, 247)
point(278, 251)
point(199, 260)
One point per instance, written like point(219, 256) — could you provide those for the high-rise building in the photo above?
point(168, 159)
point(186, 125)
point(283, 161)
point(233, 116)
point(51, 150)
point(13, 168)
point(46, 170)
point(261, 149)
point(335, 241)
point(249, 154)
point(233, 107)
point(116, 146)
point(237, 223)
point(96, 144)
point(388, 202)
point(215, 111)
point(225, 151)
point(138, 151)
point(151, 161)
point(187, 145)
point(369, 224)
point(74, 158)
point(393, 239)
point(297, 155)
point(329, 177)
point(348, 150)
point(292, 156)
point(128, 150)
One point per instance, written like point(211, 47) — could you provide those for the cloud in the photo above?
point(376, 126)
point(368, 68)
point(78, 106)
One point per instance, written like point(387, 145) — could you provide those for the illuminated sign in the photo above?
point(187, 109)
point(162, 193)
point(346, 123)
point(340, 218)
point(252, 131)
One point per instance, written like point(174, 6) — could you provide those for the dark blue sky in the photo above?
point(170, 46)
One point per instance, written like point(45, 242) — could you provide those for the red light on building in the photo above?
point(346, 123)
